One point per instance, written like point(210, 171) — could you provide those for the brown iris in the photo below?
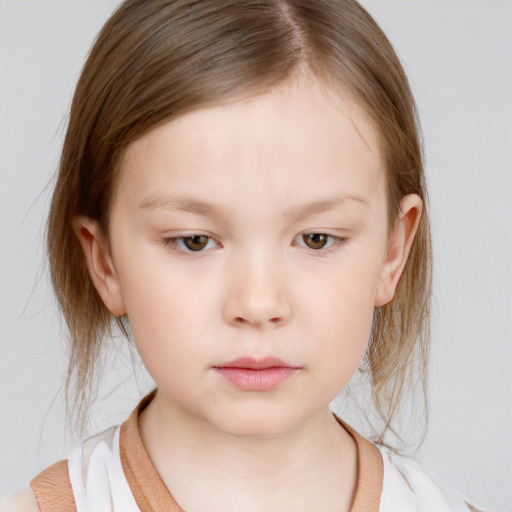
point(196, 242)
point(315, 240)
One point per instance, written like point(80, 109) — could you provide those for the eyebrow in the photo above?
point(187, 204)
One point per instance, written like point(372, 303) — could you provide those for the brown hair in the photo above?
point(157, 59)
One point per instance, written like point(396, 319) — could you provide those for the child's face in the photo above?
point(247, 182)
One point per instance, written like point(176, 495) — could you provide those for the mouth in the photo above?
point(252, 374)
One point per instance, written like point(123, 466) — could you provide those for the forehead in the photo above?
point(297, 141)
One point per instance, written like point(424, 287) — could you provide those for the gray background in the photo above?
point(458, 54)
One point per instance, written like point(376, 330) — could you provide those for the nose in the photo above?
point(257, 294)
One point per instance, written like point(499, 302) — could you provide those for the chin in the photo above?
point(261, 423)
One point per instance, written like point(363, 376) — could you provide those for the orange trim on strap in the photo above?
point(147, 487)
point(370, 473)
point(53, 489)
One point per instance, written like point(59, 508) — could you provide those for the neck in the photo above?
point(312, 462)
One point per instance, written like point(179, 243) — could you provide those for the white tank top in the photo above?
point(97, 476)
point(408, 487)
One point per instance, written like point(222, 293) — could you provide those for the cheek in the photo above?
point(161, 311)
point(169, 335)
point(153, 286)
point(348, 320)
point(343, 314)
point(166, 313)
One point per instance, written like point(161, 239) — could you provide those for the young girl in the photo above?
point(241, 191)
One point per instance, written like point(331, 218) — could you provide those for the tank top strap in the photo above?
point(97, 476)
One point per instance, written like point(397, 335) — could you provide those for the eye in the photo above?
point(317, 241)
point(193, 243)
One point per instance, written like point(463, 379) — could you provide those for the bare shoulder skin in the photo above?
point(22, 501)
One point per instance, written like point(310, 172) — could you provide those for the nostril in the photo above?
point(270, 321)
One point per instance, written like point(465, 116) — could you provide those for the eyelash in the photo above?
point(173, 243)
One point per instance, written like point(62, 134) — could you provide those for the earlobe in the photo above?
point(99, 264)
point(399, 246)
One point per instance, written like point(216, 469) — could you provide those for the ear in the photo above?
point(99, 264)
point(399, 246)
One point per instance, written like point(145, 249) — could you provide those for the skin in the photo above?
point(22, 501)
point(256, 289)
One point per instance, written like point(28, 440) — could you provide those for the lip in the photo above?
point(253, 374)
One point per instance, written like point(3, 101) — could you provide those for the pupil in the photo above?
point(315, 240)
point(196, 242)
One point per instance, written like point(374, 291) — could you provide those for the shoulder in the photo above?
point(407, 485)
point(53, 489)
point(22, 501)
